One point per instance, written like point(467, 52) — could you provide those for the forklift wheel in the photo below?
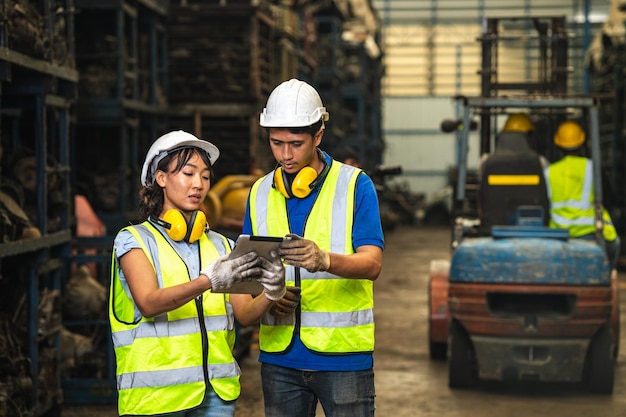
point(438, 351)
point(600, 370)
point(462, 371)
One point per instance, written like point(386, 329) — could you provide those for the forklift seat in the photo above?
point(511, 177)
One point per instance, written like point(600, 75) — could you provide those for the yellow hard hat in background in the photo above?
point(569, 135)
point(518, 122)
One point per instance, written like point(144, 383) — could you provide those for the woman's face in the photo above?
point(186, 189)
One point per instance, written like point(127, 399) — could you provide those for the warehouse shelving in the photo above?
point(121, 54)
point(295, 51)
point(361, 96)
point(95, 383)
point(38, 89)
point(223, 65)
point(611, 80)
point(96, 83)
point(348, 77)
point(330, 75)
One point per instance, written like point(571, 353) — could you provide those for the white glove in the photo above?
point(224, 272)
point(273, 277)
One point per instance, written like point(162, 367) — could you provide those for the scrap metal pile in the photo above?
point(16, 382)
point(80, 351)
point(28, 32)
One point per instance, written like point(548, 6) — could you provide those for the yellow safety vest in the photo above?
point(336, 313)
point(570, 189)
point(166, 363)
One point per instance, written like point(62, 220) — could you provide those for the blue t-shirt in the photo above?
point(366, 230)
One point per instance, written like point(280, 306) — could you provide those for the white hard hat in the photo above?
point(170, 141)
point(293, 103)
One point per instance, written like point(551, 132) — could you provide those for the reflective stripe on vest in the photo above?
point(336, 313)
point(165, 357)
point(570, 189)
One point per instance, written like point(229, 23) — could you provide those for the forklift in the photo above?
point(518, 300)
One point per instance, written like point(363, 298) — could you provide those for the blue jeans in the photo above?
point(291, 392)
point(212, 406)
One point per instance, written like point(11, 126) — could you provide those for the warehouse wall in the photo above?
point(416, 142)
point(424, 40)
point(431, 53)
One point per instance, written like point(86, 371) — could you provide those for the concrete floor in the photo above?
point(408, 383)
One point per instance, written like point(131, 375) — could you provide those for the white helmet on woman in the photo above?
point(168, 142)
point(293, 103)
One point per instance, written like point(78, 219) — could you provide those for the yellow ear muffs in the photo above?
point(196, 226)
point(179, 229)
point(305, 181)
point(301, 186)
point(279, 183)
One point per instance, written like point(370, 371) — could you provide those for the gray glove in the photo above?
point(287, 304)
point(304, 253)
point(273, 277)
point(224, 272)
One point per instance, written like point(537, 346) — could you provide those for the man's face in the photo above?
point(293, 151)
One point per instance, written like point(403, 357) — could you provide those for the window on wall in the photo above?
point(431, 48)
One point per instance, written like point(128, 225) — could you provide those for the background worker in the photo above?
point(571, 191)
point(322, 347)
point(519, 122)
point(522, 123)
point(172, 335)
point(348, 155)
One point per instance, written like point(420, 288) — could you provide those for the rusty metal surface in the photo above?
point(438, 301)
point(591, 309)
point(529, 358)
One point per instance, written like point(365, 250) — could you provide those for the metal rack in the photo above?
point(121, 54)
point(550, 67)
point(362, 97)
point(91, 89)
point(330, 75)
point(38, 89)
point(611, 79)
point(223, 65)
point(122, 103)
point(550, 38)
point(348, 79)
point(95, 384)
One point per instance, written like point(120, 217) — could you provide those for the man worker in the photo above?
point(519, 122)
point(347, 155)
point(571, 193)
point(318, 346)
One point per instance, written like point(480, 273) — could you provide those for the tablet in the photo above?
point(262, 245)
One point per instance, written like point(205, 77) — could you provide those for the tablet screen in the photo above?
point(262, 245)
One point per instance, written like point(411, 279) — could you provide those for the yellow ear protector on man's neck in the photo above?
point(178, 228)
point(302, 184)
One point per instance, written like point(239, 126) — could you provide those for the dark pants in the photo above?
point(292, 392)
